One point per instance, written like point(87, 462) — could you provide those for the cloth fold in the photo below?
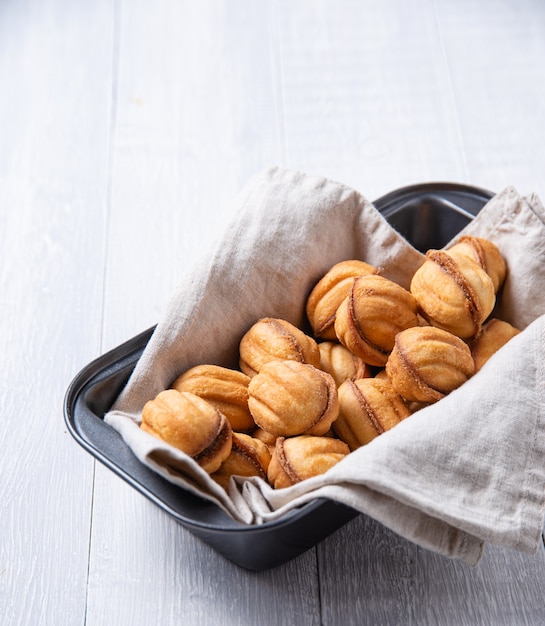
point(466, 470)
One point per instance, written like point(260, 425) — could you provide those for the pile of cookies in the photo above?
point(378, 353)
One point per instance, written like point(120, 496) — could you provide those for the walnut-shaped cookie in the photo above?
point(289, 398)
point(485, 253)
point(190, 424)
point(249, 457)
point(297, 458)
point(337, 360)
point(493, 336)
point(427, 363)
point(224, 388)
point(271, 339)
point(453, 293)
point(329, 292)
point(368, 407)
point(375, 310)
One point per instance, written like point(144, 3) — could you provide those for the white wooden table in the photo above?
point(126, 128)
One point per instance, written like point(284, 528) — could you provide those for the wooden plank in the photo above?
point(366, 96)
point(496, 58)
point(196, 115)
point(379, 578)
point(145, 569)
point(54, 112)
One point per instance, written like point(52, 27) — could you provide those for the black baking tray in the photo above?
point(428, 216)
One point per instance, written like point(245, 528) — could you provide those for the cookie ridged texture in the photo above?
point(427, 363)
point(337, 360)
point(493, 336)
point(267, 438)
point(224, 388)
point(453, 293)
point(271, 339)
point(248, 457)
point(485, 253)
point(288, 398)
point(367, 408)
point(375, 310)
point(211, 458)
point(297, 458)
point(329, 292)
point(191, 424)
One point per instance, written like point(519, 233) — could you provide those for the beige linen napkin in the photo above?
point(464, 471)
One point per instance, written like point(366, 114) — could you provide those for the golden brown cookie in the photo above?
point(224, 388)
point(190, 424)
point(271, 339)
point(367, 408)
point(267, 438)
point(329, 292)
point(249, 457)
point(454, 294)
point(494, 335)
point(298, 458)
point(485, 253)
point(371, 315)
point(289, 398)
point(342, 364)
point(427, 363)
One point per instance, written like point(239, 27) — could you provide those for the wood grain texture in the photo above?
point(55, 98)
point(126, 128)
point(366, 94)
point(196, 116)
point(495, 54)
point(145, 569)
point(369, 575)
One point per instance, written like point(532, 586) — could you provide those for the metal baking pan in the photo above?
point(428, 216)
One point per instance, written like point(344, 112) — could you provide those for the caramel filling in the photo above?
point(331, 388)
point(415, 376)
point(293, 343)
point(330, 321)
point(448, 265)
point(287, 468)
point(367, 408)
point(217, 441)
point(356, 329)
point(249, 454)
